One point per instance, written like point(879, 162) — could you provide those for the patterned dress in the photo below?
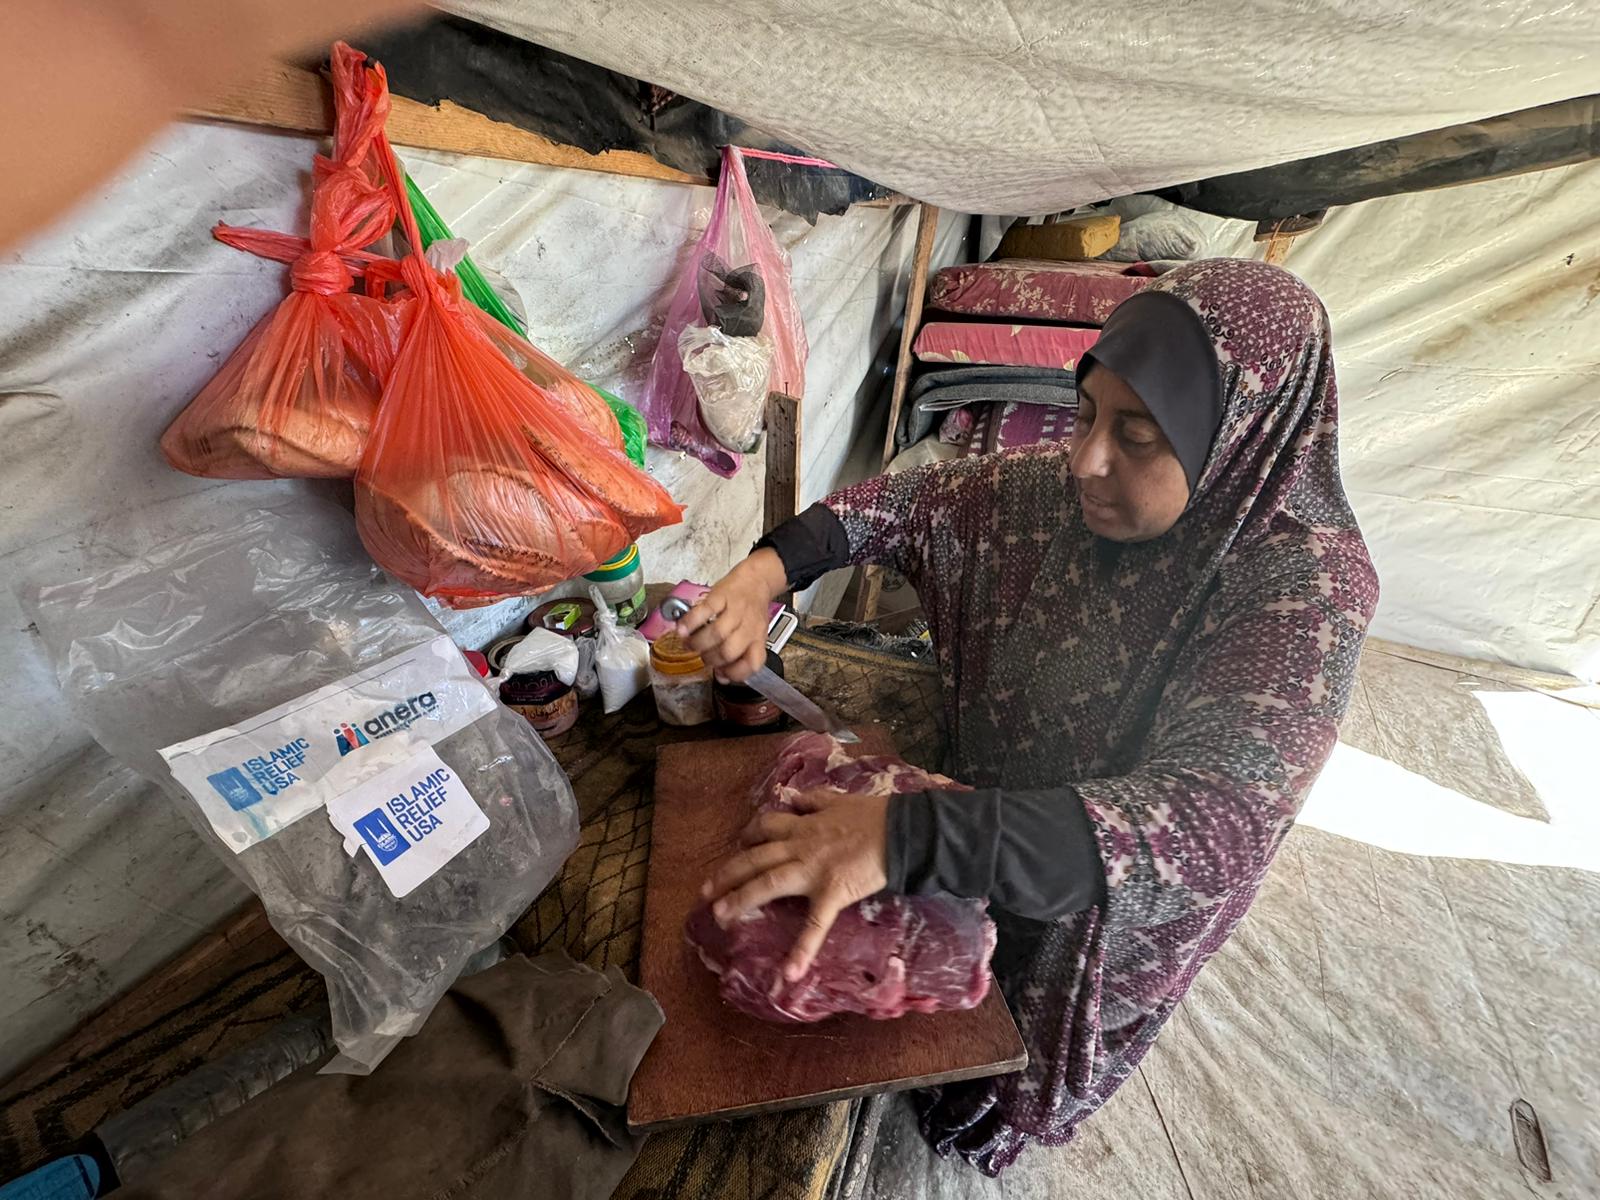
point(1188, 689)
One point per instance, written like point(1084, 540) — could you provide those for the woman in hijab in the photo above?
point(1146, 640)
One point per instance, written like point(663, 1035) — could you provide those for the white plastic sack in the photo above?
point(275, 688)
point(1156, 230)
point(729, 375)
point(541, 650)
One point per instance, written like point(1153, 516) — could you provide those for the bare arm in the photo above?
point(90, 81)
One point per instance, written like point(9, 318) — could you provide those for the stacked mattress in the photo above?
point(1000, 349)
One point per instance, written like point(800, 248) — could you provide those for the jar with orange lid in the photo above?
point(680, 681)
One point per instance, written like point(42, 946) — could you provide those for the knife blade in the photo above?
point(780, 691)
point(794, 702)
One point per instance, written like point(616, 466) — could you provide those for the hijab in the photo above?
point(1161, 349)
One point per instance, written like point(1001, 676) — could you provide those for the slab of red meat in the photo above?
point(885, 956)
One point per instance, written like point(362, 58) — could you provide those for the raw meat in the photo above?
point(886, 955)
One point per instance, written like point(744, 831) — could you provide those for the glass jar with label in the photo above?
point(743, 709)
point(621, 582)
point(681, 682)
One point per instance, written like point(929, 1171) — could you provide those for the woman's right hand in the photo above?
point(728, 628)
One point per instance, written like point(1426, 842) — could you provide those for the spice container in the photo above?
point(546, 703)
point(743, 709)
point(681, 682)
point(621, 583)
point(549, 705)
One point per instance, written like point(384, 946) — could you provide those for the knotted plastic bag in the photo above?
point(622, 656)
point(298, 397)
point(739, 283)
point(487, 477)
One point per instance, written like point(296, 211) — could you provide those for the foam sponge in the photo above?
point(1072, 240)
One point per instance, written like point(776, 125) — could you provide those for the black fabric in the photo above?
point(1160, 348)
point(810, 545)
point(732, 299)
point(940, 389)
point(1032, 854)
point(580, 104)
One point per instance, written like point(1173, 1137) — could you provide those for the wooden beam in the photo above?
point(781, 489)
point(1280, 235)
point(1278, 247)
point(292, 98)
point(927, 229)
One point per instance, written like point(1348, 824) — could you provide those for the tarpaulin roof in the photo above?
point(1032, 106)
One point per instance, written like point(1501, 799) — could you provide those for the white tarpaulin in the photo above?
point(1030, 106)
point(1467, 341)
point(113, 320)
point(1467, 338)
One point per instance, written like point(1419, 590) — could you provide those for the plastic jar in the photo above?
point(681, 682)
point(621, 582)
point(743, 709)
point(547, 704)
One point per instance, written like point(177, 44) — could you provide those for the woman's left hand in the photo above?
point(833, 852)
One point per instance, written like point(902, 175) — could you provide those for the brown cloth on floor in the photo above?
point(514, 1087)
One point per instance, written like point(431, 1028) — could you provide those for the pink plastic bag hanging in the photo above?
point(737, 301)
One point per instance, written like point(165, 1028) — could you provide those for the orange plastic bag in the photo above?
point(299, 395)
point(491, 471)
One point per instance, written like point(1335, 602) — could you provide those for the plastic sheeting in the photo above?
point(1030, 106)
point(1467, 338)
point(1420, 957)
point(114, 319)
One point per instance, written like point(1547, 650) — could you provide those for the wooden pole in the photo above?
point(927, 228)
point(781, 488)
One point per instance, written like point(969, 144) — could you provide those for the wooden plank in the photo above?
point(871, 582)
point(710, 1061)
point(1278, 247)
point(927, 229)
point(781, 489)
point(1280, 235)
point(286, 97)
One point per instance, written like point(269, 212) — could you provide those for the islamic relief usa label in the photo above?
point(263, 774)
point(410, 820)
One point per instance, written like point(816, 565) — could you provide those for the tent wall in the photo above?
point(1467, 338)
point(115, 318)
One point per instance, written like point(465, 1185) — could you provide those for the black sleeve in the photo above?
point(810, 545)
point(1030, 853)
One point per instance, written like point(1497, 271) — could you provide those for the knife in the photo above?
point(780, 691)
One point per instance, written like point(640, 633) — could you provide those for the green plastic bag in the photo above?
point(632, 422)
point(476, 288)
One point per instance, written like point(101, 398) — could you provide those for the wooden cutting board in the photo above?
point(712, 1062)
